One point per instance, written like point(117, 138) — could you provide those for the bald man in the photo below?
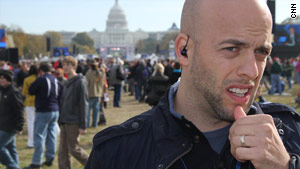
point(208, 119)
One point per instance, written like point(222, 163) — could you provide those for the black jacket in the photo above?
point(156, 88)
point(47, 90)
point(154, 140)
point(11, 109)
point(74, 102)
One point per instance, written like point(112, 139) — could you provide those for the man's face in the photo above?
point(3, 82)
point(292, 30)
point(68, 68)
point(229, 57)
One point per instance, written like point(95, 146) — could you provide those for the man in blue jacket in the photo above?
point(47, 91)
point(209, 120)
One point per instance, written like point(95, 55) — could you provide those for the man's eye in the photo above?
point(262, 51)
point(231, 49)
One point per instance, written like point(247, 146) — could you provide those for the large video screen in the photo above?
point(287, 35)
point(61, 51)
point(2, 38)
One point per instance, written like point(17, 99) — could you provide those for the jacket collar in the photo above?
point(169, 137)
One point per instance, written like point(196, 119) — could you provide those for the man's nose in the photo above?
point(248, 67)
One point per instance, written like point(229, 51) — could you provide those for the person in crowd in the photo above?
point(208, 119)
point(95, 78)
point(168, 67)
point(73, 115)
point(116, 77)
point(288, 72)
point(295, 74)
point(23, 73)
point(11, 120)
point(298, 69)
point(80, 67)
point(147, 72)
point(60, 75)
point(29, 104)
point(47, 91)
point(266, 79)
point(131, 76)
point(175, 75)
point(157, 85)
point(104, 97)
point(276, 70)
point(4, 65)
point(140, 80)
point(16, 69)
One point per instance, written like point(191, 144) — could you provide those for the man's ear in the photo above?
point(180, 47)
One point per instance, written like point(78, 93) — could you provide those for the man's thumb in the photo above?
point(239, 112)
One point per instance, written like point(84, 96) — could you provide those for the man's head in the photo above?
point(69, 64)
point(226, 52)
point(6, 77)
point(45, 68)
point(159, 68)
point(292, 30)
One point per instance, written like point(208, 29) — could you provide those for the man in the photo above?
point(11, 119)
point(21, 75)
point(95, 79)
point(276, 70)
point(116, 81)
point(73, 115)
point(202, 121)
point(46, 89)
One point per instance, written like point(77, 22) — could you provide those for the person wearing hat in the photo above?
point(11, 119)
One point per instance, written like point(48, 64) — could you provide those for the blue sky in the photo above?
point(38, 16)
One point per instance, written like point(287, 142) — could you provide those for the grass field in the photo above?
point(114, 116)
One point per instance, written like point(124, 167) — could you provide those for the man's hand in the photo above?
point(263, 146)
point(82, 131)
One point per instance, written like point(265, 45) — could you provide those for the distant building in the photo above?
point(67, 37)
point(117, 40)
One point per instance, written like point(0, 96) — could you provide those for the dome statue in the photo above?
point(116, 21)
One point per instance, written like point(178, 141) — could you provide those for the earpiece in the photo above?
point(184, 50)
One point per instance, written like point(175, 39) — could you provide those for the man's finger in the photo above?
point(250, 141)
point(239, 112)
point(246, 154)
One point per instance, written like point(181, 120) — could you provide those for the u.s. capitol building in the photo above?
point(117, 38)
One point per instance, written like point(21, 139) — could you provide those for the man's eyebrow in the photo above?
point(266, 47)
point(241, 43)
point(234, 42)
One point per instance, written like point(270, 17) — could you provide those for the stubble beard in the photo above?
point(204, 81)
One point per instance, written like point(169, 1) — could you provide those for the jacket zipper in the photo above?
point(187, 151)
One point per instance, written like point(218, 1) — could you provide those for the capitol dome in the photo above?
point(116, 21)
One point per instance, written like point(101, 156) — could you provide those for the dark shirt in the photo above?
point(20, 78)
point(47, 90)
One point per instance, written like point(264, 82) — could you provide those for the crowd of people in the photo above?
point(280, 73)
point(67, 97)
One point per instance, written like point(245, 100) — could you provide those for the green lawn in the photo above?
point(130, 108)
